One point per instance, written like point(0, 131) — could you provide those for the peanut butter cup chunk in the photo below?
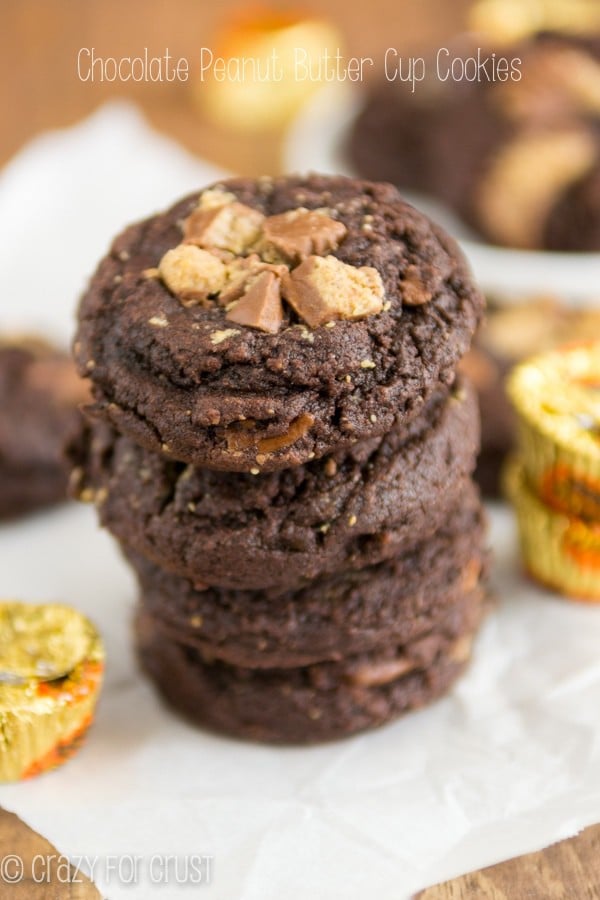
point(300, 233)
point(227, 225)
point(322, 289)
point(260, 306)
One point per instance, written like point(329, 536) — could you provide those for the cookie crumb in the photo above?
point(305, 334)
point(330, 468)
point(227, 226)
point(158, 321)
point(217, 337)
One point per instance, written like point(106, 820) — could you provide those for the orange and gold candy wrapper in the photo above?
point(555, 484)
point(557, 400)
point(51, 667)
point(561, 552)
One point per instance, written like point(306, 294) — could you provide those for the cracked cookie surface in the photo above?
point(348, 612)
point(277, 529)
point(204, 389)
point(312, 703)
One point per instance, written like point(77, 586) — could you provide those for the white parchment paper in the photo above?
point(506, 764)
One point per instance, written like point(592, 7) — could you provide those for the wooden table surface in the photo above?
point(40, 40)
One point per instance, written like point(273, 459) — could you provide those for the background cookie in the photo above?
point(40, 394)
point(517, 158)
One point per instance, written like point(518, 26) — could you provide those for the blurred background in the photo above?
point(40, 40)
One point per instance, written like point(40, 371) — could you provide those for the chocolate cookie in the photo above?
point(266, 322)
point(280, 529)
point(574, 222)
point(312, 703)
point(40, 393)
point(344, 613)
point(477, 145)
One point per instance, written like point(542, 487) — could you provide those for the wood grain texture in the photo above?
point(40, 39)
point(38, 858)
point(569, 870)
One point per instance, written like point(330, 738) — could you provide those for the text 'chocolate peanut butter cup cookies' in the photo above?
point(281, 445)
point(260, 324)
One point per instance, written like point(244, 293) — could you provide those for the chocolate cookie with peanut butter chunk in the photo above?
point(40, 394)
point(313, 703)
point(348, 612)
point(517, 157)
point(262, 323)
point(352, 508)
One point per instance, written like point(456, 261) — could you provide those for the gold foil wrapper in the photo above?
point(51, 667)
point(560, 551)
point(267, 63)
point(557, 400)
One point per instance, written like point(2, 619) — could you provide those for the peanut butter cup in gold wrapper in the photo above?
point(560, 551)
point(557, 400)
point(266, 61)
point(51, 667)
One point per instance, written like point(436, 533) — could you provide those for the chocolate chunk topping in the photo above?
point(260, 307)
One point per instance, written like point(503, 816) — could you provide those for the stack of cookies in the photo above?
point(282, 446)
